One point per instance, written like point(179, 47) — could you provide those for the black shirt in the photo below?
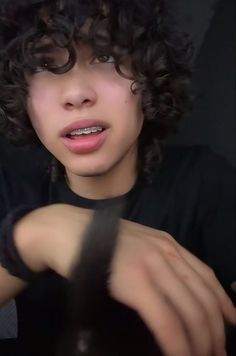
point(192, 197)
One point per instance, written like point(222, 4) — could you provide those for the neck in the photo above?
point(116, 182)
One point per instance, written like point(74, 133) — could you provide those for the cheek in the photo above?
point(132, 110)
point(41, 98)
point(118, 97)
point(40, 103)
point(127, 113)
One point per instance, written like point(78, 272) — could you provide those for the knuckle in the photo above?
point(167, 237)
point(169, 248)
point(210, 273)
point(165, 234)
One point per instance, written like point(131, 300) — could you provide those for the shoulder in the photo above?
point(193, 158)
point(189, 186)
point(187, 174)
point(196, 167)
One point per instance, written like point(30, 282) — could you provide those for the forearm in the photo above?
point(40, 237)
point(10, 286)
point(39, 240)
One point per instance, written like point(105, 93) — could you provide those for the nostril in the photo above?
point(86, 101)
point(69, 106)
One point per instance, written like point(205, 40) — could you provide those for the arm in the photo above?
point(167, 286)
point(37, 251)
point(10, 286)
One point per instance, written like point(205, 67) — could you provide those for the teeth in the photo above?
point(86, 131)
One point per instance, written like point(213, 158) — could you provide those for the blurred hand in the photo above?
point(176, 295)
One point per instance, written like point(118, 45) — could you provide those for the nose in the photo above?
point(78, 90)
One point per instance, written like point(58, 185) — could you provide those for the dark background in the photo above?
point(212, 26)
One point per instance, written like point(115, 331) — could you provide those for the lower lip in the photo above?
point(85, 144)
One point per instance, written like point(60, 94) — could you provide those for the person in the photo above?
point(100, 84)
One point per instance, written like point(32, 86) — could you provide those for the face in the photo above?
point(88, 118)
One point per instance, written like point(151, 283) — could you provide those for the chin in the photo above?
point(89, 172)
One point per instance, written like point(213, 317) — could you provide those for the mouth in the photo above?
point(85, 136)
point(84, 128)
point(85, 132)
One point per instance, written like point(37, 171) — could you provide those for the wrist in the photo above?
point(10, 255)
point(67, 228)
point(25, 236)
point(50, 237)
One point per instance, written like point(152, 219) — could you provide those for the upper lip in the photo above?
point(82, 124)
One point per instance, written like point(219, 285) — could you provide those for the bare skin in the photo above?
point(177, 295)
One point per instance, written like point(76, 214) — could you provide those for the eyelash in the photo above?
point(106, 56)
point(45, 64)
point(97, 59)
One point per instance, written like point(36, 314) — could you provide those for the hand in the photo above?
point(177, 296)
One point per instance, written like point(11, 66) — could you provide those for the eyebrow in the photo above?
point(45, 47)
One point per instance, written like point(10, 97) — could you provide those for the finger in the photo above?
point(187, 306)
point(207, 299)
point(227, 307)
point(162, 320)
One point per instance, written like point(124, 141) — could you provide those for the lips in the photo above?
point(82, 124)
point(84, 143)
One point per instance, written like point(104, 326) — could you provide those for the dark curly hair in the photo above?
point(138, 30)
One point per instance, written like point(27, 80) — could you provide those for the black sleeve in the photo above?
point(10, 259)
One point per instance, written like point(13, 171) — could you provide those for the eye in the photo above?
point(41, 68)
point(104, 58)
point(57, 59)
point(43, 64)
